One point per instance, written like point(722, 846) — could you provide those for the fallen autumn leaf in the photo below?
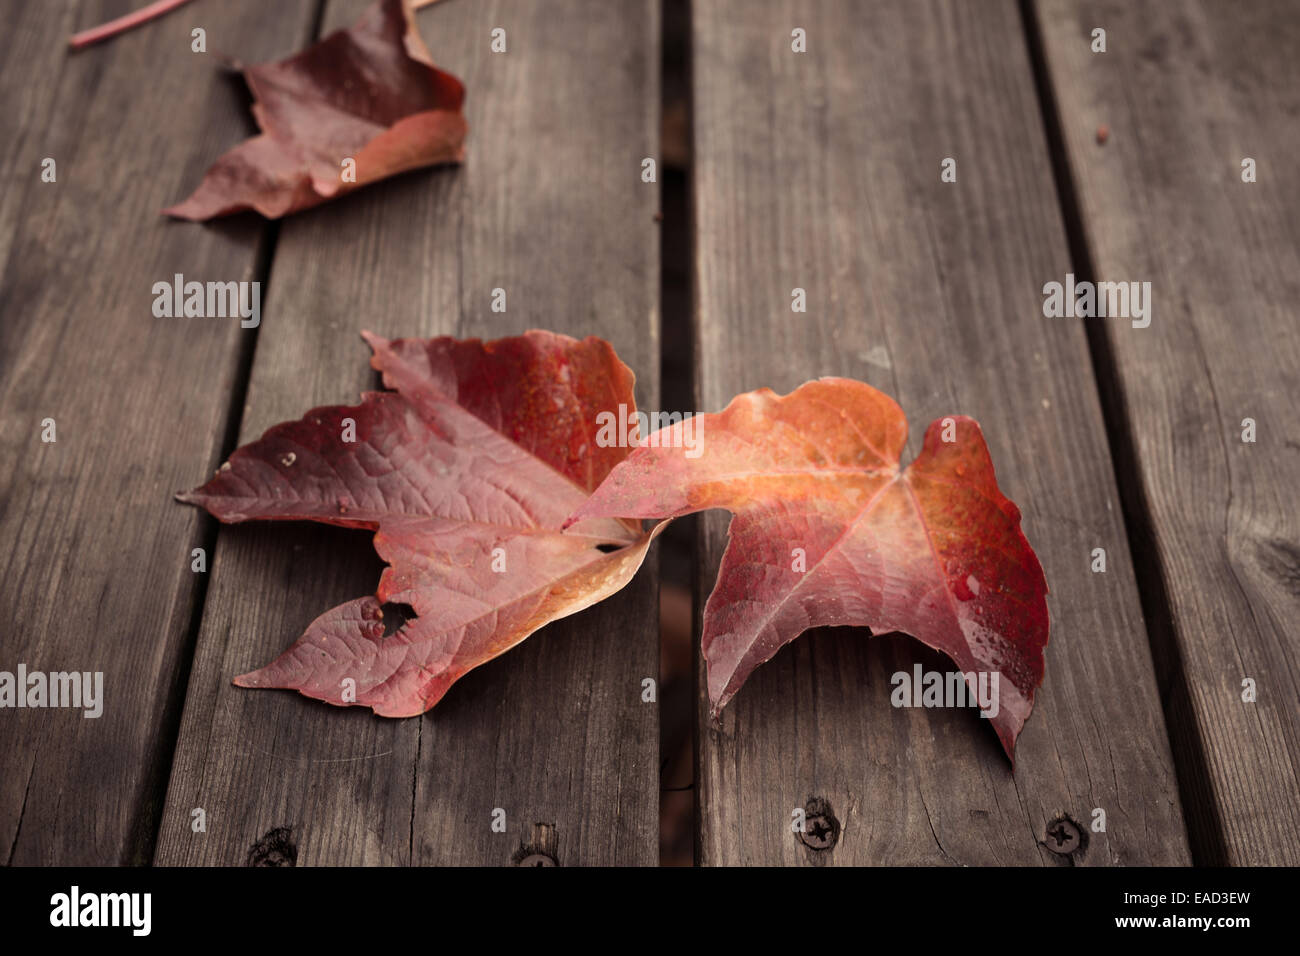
point(466, 472)
point(361, 105)
point(933, 550)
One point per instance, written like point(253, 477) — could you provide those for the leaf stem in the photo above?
point(156, 9)
point(131, 20)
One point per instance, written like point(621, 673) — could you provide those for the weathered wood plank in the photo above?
point(550, 207)
point(96, 569)
point(1188, 90)
point(821, 171)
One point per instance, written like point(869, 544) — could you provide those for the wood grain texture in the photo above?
point(95, 573)
point(549, 206)
point(1189, 89)
point(822, 171)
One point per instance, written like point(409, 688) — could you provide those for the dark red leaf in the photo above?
point(466, 472)
point(369, 94)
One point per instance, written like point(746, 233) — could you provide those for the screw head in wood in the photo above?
point(1063, 836)
point(821, 828)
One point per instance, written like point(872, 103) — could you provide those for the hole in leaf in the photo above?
point(395, 617)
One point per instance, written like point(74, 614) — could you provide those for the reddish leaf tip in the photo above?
point(376, 342)
point(194, 496)
point(178, 211)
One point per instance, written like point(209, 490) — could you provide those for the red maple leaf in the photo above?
point(827, 529)
point(466, 472)
point(361, 105)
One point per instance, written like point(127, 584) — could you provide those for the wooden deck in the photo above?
point(816, 170)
